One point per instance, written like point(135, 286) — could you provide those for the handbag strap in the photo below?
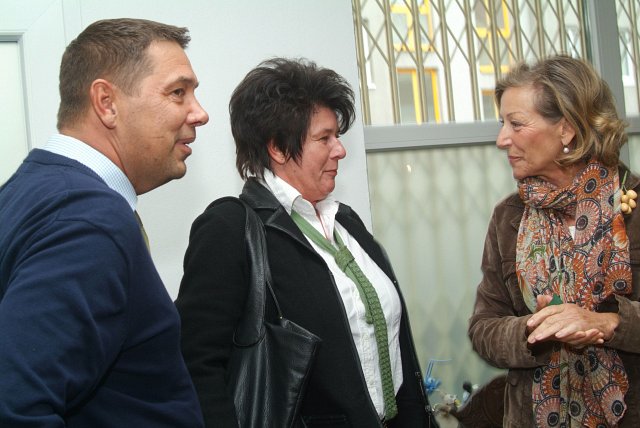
point(250, 328)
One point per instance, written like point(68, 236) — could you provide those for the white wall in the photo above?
point(228, 39)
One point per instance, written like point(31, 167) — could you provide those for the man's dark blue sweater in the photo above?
point(89, 336)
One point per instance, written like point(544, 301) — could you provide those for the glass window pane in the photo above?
point(405, 93)
point(498, 17)
point(627, 15)
point(480, 14)
point(477, 43)
point(424, 28)
point(488, 106)
point(401, 30)
point(429, 96)
point(422, 224)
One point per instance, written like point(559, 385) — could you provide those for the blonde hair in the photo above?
point(570, 88)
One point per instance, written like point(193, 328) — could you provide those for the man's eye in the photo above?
point(179, 92)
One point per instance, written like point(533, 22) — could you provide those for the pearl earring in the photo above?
point(565, 150)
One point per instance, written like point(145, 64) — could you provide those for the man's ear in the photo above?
point(102, 98)
point(275, 153)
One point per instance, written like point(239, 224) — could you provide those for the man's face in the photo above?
point(158, 121)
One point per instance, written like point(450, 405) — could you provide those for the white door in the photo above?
point(32, 39)
point(13, 144)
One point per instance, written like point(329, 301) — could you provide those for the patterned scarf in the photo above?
point(581, 386)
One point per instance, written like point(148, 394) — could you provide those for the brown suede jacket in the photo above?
point(497, 328)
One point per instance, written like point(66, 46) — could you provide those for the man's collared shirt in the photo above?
point(113, 176)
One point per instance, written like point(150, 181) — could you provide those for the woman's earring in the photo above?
point(565, 150)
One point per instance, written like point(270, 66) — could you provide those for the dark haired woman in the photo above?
point(286, 118)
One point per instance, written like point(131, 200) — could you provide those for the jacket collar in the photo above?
point(271, 211)
point(633, 180)
point(258, 196)
point(275, 216)
point(261, 199)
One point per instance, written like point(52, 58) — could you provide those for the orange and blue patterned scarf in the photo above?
point(578, 387)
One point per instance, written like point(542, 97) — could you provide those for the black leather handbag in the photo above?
point(271, 360)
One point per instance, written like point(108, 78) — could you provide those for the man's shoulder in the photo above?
point(67, 188)
point(46, 194)
point(45, 174)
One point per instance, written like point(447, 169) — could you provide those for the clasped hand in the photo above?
point(569, 323)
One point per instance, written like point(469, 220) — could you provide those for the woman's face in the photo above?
point(314, 174)
point(532, 142)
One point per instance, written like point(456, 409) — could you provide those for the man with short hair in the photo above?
point(89, 336)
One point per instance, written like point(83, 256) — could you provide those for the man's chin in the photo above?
point(180, 170)
point(183, 171)
point(176, 174)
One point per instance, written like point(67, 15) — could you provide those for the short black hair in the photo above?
point(275, 101)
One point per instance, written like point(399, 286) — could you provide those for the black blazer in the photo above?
point(211, 301)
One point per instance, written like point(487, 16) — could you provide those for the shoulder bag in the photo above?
point(270, 361)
